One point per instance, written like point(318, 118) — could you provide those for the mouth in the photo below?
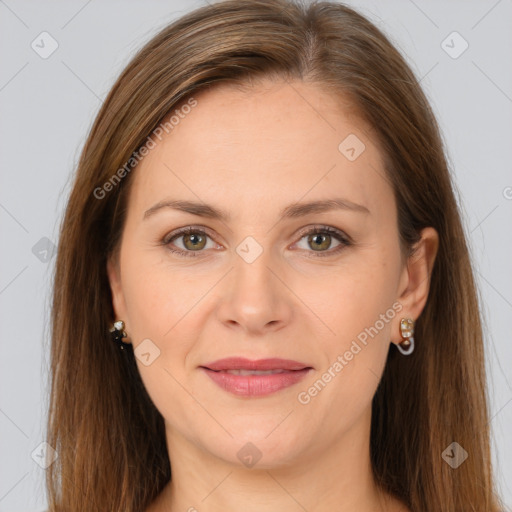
point(243, 377)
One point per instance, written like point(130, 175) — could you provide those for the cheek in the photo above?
point(158, 296)
point(352, 299)
point(341, 392)
point(359, 308)
point(149, 301)
point(169, 307)
point(160, 305)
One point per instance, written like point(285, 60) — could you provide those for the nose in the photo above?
point(255, 298)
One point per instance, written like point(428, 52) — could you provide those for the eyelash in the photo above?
point(335, 233)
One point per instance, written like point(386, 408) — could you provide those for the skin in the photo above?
point(252, 153)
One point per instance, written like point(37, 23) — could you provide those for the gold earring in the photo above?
point(406, 347)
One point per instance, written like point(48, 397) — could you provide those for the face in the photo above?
point(259, 282)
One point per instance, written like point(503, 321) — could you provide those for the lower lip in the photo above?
point(256, 385)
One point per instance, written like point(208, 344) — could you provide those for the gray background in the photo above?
point(47, 106)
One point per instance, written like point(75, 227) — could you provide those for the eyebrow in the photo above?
point(293, 210)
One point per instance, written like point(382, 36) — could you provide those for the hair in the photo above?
point(109, 436)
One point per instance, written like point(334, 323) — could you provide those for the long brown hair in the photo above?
point(109, 436)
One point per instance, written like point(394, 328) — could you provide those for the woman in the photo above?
point(263, 297)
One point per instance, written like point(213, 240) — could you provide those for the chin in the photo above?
point(256, 447)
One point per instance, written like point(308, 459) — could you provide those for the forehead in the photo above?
point(275, 142)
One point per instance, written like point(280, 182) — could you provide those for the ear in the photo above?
point(114, 277)
point(415, 279)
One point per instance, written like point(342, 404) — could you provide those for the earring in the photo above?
point(117, 333)
point(406, 347)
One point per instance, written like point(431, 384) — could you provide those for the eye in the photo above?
point(193, 240)
point(320, 237)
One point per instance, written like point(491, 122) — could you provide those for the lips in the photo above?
point(243, 377)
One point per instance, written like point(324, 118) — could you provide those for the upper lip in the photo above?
point(241, 363)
